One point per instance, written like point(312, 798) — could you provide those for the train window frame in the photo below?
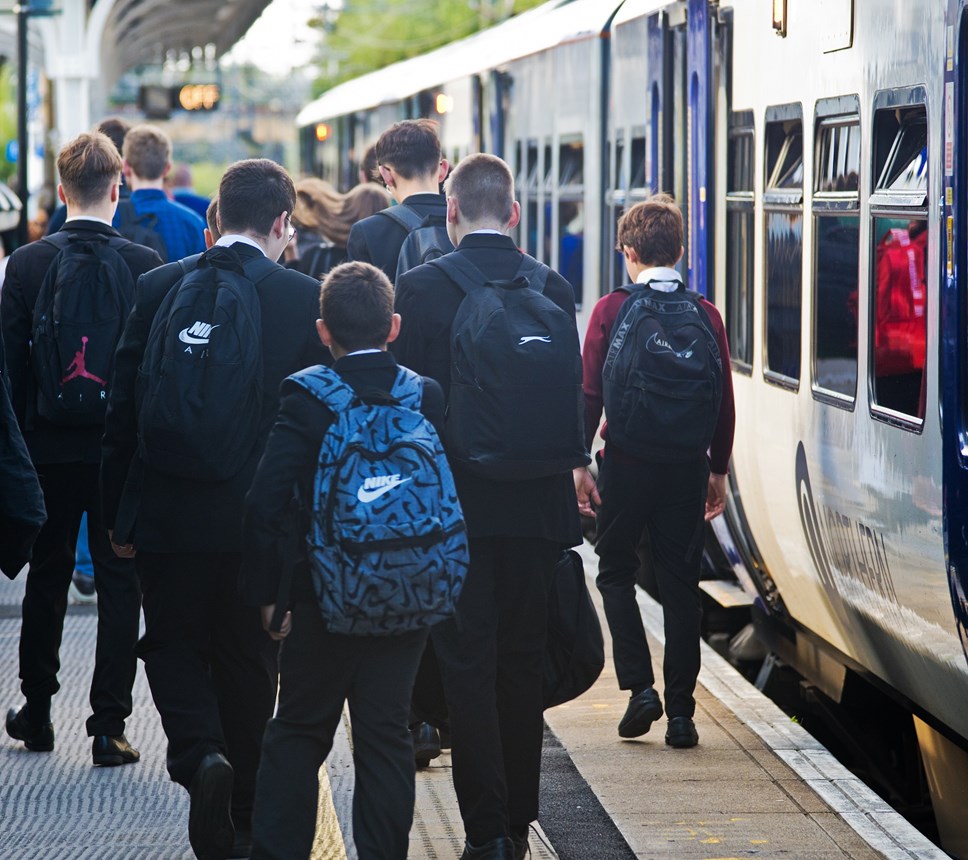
point(781, 124)
point(741, 201)
point(569, 189)
point(910, 109)
point(831, 117)
point(616, 202)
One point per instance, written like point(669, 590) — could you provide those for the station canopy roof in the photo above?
point(141, 31)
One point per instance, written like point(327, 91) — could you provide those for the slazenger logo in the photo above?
point(374, 487)
point(543, 338)
point(657, 344)
point(197, 332)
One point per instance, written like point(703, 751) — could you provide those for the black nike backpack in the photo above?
point(514, 410)
point(662, 378)
point(200, 381)
point(426, 240)
point(79, 315)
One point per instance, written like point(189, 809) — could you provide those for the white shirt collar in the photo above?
point(231, 238)
point(664, 279)
point(87, 218)
point(362, 352)
point(486, 230)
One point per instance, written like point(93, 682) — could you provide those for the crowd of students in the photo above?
point(195, 445)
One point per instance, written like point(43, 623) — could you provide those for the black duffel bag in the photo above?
point(575, 653)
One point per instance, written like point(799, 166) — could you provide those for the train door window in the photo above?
point(571, 210)
point(783, 264)
point(546, 246)
point(520, 184)
point(613, 269)
point(739, 240)
point(531, 205)
point(898, 271)
point(836, 211)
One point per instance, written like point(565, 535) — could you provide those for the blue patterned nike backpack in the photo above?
point(387, 541)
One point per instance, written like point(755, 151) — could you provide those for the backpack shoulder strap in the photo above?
point(404, 216)
point(534, 272)
point(187, 264)
point(259, 269)
point(460, 271)
point(407, 388)
point(327, 386)
point(59, 240)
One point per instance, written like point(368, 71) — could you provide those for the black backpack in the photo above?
point(662, 377)
point(426, 240)
point(575, 649)
point(514, 410)
point(80, 313)
point(200, 381)
point(320, 258)
point(141, 229)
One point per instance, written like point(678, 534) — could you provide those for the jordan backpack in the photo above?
point(387, 542)
point(78, 318)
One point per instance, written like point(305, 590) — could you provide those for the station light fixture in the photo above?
point(322, 131)
point(780, 17)
point(444, 103)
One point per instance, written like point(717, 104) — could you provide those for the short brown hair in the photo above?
point(410, 147)
point(211, 218)
point(89, 166)
point(483, 187)
point(252, 194)
point(653, 228)
point(147, 149)
point(356, 303)
point(115, 128)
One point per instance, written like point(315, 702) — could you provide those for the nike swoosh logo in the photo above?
point(367, 496)
point(185, 337)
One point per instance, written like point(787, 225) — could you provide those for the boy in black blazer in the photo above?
point(320, 670)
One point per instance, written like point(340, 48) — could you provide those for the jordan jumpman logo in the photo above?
point(76, 367)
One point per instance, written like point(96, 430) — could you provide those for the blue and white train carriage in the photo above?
point(819, 150)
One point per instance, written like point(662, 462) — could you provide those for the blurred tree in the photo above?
point(370, 34)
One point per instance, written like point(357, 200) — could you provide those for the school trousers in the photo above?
point(319, 671)
point(212, 669)
point(668, 500)
point(70, 489)
point(491, 658)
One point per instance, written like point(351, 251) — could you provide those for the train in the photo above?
point(819, 152)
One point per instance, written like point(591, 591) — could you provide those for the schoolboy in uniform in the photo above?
point(320, 670)
point(669, 499)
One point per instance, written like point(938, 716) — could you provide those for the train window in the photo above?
point(898, 288)
point(613, 270)
point(836, 210)
point(783, 213)
point(638, 164)
point(739, 240)
point(571, 231)
point(520, 182)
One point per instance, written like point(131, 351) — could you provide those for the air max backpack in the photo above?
point(387, 542)
point(662, 377)
point(79, 315)
point(426, 240)
point(199, 385)
point(514, 411)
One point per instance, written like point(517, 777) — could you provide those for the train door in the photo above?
point(954, 313)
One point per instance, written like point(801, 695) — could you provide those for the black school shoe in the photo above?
point(113, 750)
point(681, 733)
point(426, 743)
point(643, 710)
point(37, 737)
point(210, 828)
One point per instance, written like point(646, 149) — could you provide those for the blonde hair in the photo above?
point(321, 209)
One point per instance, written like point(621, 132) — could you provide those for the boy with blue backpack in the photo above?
point(656, 358)
point(353, 522)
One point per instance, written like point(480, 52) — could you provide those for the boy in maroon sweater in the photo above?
point(670, 500)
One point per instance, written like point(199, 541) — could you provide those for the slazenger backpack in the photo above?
point(662, 378)
point(200, 381)
point(80, 312)
point(514, 410)
point(387, 542)
point(426, 240)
